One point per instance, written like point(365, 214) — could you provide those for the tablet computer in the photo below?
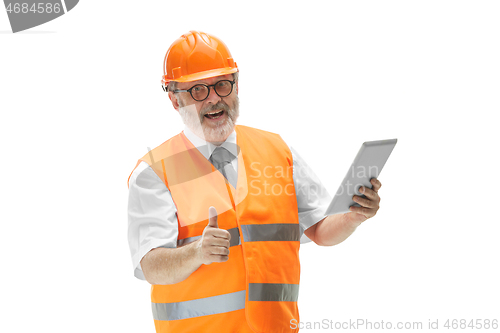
point(368, 164)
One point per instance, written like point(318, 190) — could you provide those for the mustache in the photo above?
point(211, 108)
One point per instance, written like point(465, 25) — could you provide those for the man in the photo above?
point(217, 212)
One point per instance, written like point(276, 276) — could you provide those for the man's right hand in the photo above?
point(214, 243)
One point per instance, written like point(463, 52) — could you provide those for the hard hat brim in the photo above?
point(203, 75)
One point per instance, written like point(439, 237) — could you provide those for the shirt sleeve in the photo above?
point(152, 219)
point(312, 197)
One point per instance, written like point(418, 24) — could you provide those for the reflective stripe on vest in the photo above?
point(271, 232)
point(275, 292)
point(234, 232)
point(199, 307)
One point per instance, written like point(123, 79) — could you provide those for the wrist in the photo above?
point(198, 253)
point(350, 220)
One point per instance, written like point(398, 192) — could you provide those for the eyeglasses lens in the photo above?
point(222, 88)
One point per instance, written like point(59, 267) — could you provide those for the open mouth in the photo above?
point(214, 115)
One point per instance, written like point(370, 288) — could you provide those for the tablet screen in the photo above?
point(368, 164)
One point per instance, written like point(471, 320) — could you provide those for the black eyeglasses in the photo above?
point(200, 92)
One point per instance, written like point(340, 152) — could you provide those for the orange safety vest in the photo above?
point(256, 290)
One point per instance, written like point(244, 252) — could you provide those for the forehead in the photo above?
point(211, 80)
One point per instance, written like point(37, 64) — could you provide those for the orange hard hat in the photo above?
point(195, 56)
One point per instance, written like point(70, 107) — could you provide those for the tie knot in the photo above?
point(221, 156)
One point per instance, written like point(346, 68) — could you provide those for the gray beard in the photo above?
point(192, 119)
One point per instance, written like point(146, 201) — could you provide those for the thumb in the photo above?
point(212, 217)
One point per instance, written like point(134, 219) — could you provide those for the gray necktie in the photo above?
point(221, 159)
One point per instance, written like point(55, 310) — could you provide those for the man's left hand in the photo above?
point(369, 205)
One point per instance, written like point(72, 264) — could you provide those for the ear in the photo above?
point(236, 87)
point(174, 100)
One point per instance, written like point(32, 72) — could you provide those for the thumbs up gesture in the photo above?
point(214, 243)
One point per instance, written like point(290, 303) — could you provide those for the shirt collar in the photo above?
point(206, 148)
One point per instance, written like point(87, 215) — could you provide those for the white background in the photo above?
point(80, 101)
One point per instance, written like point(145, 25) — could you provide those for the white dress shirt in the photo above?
point(152, 219)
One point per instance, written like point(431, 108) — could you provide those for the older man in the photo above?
point(217, 212)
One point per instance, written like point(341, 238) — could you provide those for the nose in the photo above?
point(212, 96)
